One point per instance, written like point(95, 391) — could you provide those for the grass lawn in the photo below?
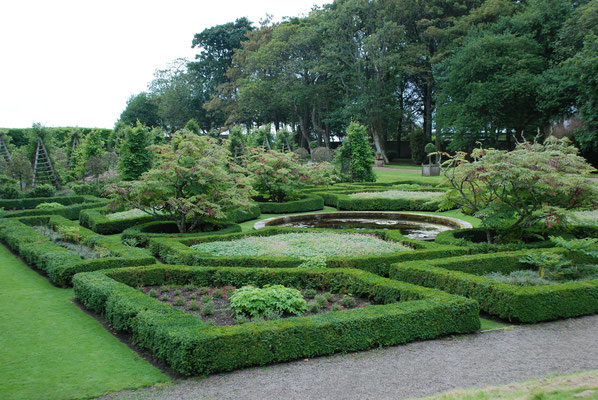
point(51, 349)
point(390, 175)
point(559, 387)
point(403, 163)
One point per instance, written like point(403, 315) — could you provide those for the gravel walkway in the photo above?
point(411, 370)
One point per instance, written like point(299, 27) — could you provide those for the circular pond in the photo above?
point(413, 226)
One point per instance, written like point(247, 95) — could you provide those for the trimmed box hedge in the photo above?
point(462, 276)
point(142, 233)
point(192, 347)
point(310, 202)
point(59, 263)
point(96, 219)
point(73, 205)
point(343, 201)
point(178, 251)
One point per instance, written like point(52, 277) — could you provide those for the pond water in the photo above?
point(413, 226)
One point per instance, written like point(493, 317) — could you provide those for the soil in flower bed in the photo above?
point(196, 300)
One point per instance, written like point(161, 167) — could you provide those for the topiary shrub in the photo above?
point(321, 154)
point(9, 192)
point(302, 153)
point(45, 190)
point(417, 144)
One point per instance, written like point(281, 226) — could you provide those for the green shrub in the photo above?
point(354, 158)
point(307, 203)
point(194, 305)
point(153, 293)
point(348, 302)
point(45, 190)
point(179, 301)
point(142, 233)
point(309, 293)
point(417, 143)
point(257, 302)
point(321, 301)
point(208, 308)
point(9, 191)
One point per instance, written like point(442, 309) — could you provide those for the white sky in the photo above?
point(75, 63)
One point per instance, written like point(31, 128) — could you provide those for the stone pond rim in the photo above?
point(450, 222)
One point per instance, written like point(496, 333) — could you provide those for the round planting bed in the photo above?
point(411, 225)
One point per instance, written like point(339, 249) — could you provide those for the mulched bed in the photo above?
point(184, 298)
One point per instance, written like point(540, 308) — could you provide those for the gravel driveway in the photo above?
point(411, 370)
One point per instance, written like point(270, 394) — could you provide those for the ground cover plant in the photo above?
point(329, 244)
point(190, 346)
point(229, 306)
point(52, 349)
point(397, 194)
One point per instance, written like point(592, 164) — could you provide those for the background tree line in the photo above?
point(462, 71)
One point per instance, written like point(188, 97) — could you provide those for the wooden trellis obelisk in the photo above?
point(43, 171)
point(73, 147)
point(4, 150)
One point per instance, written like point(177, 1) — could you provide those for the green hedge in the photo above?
point(308, 203)
point(96, 220)
point(538, 238)
point(243, 214)
point(343, 201)
point(178, 251)
point(142, 233)
point(59, 263)
point(461, 276)
point(192, 347)
point(73, 205)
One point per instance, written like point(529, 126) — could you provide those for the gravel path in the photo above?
point(411, 370)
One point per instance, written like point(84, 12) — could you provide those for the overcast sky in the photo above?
point(75, 63)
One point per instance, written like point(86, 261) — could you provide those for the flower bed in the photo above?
point(308, 244)
point(213, 305)
point(464, 276)
point(398, 194)
point(193, 347)
point(58, 262)
point(387, 200)
point(179, 251)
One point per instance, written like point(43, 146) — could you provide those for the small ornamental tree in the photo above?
point(135, 155)
point(280, 176)
point(191, 183)
point(510, 191)
point(354, 158)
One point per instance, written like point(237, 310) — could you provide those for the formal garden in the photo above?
point(316, 204)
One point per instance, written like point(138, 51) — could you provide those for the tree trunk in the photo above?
point(378, 143)
point(428, 110)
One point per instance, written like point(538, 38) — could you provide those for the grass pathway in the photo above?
point(51, 349)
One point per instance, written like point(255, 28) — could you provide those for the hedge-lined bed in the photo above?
point(462, 276)
point(142, 233)
point(72, 206)
point(310, 202)
point(192, 347)
point(343, 201)
point(59, 263)
point(178, 251)
point(533, 237)
point(102, 221)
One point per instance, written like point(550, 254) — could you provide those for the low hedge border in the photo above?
point(310, 202)
point(96, 220)
point(192, 347)
point(461, 276)
point(343, 201)
point(178, 251)
point(462, 237)
point(142, 233)
point(59, 263)
point(73, 205)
